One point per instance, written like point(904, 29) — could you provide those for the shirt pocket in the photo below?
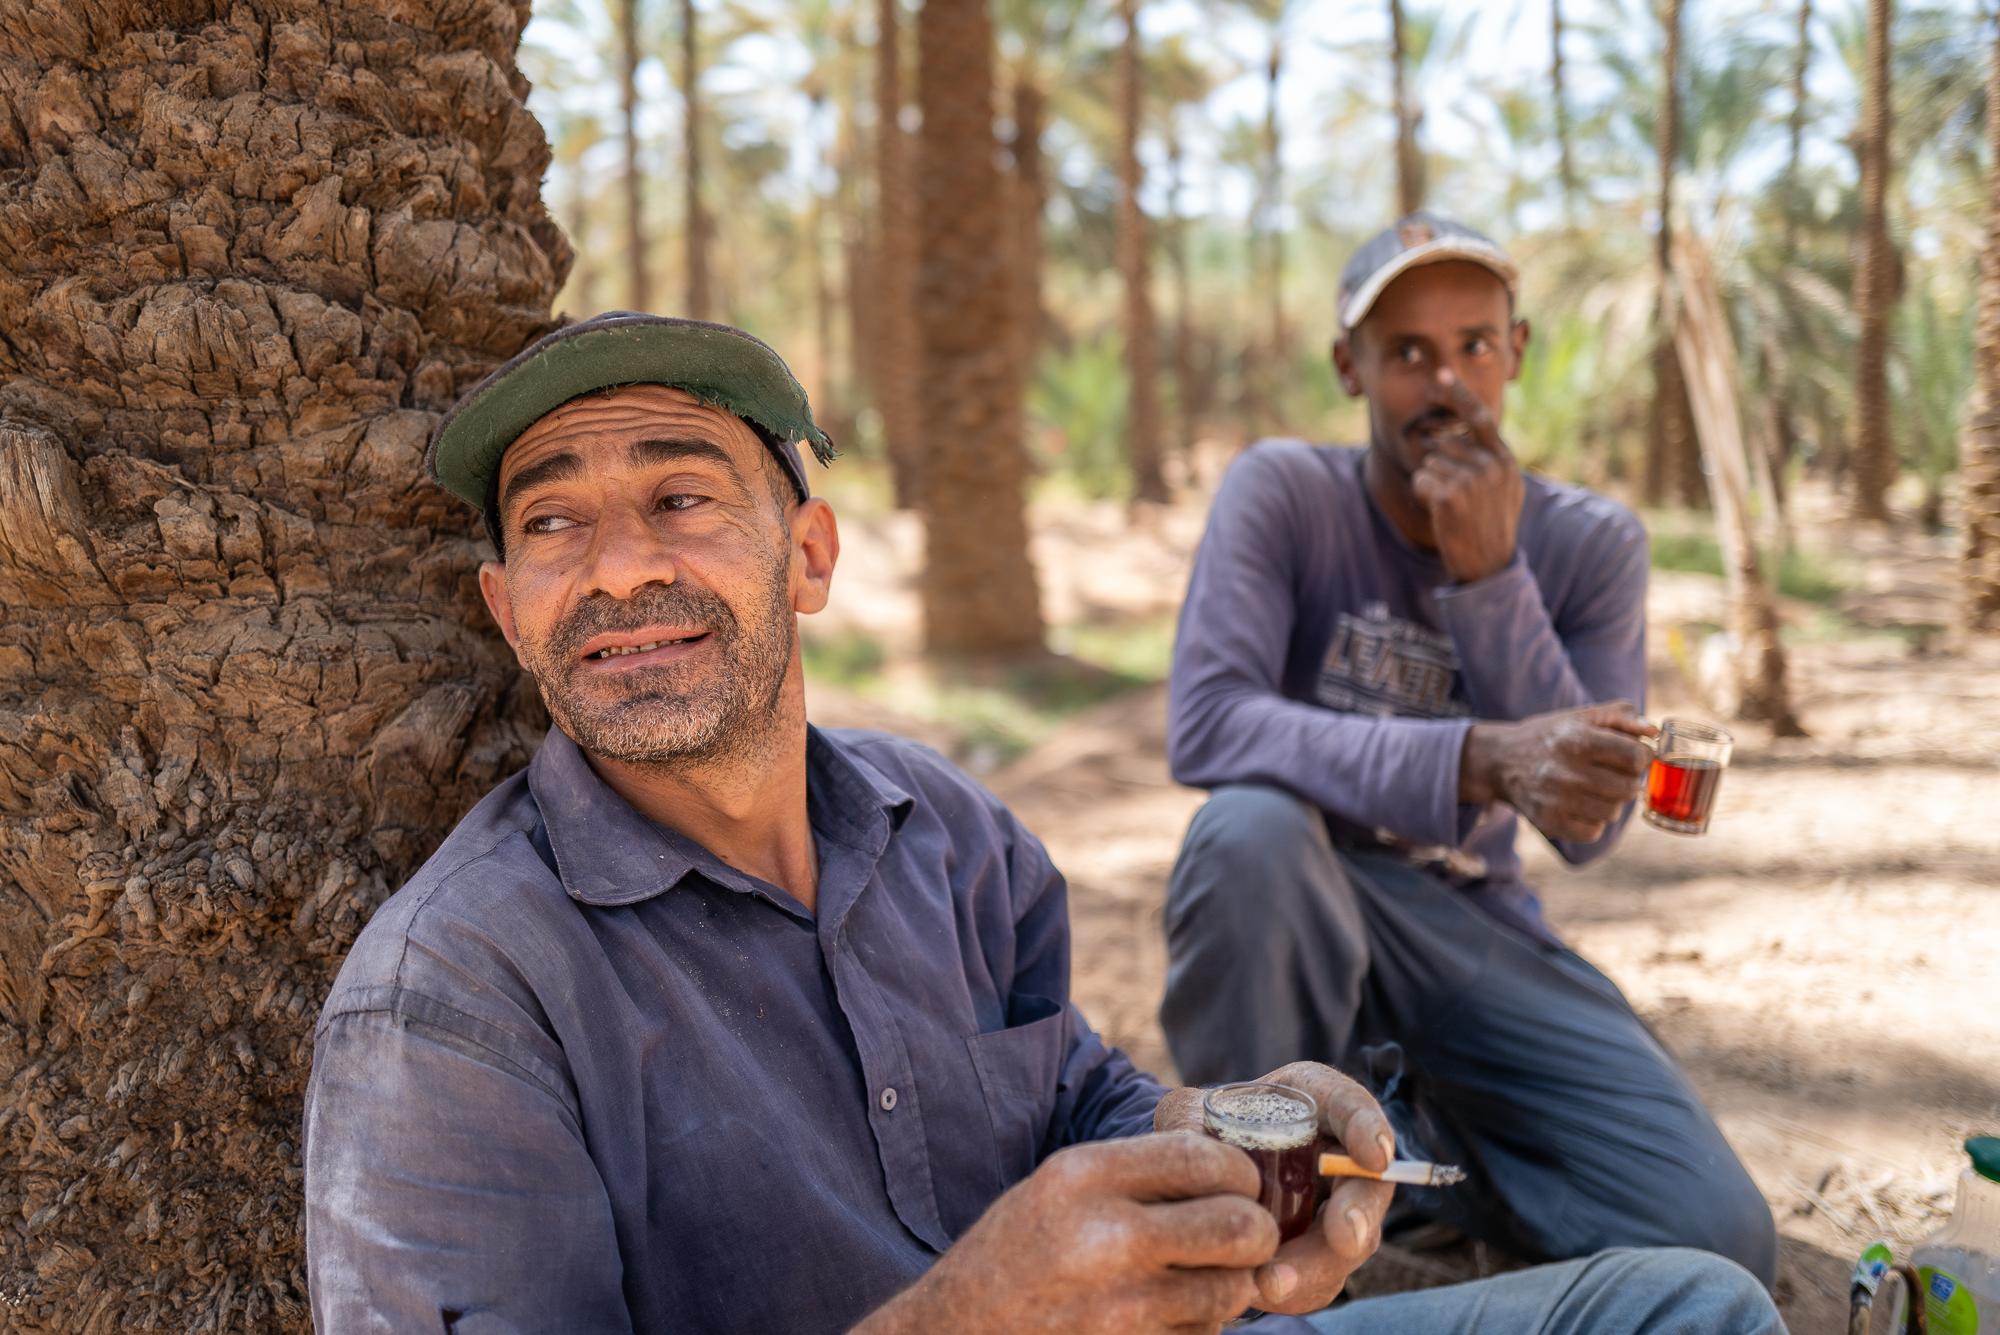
point(1018, 1069)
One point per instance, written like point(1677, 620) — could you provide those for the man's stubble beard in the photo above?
point(658, 723)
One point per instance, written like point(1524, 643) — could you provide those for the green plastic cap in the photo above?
point(1985, 1152)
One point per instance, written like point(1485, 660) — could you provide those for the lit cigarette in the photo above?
point(1408, 1172)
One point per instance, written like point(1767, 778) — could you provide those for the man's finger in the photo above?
point(1347, 1233)
point(1174, 1166)
point(1213, 1231)
point(1618, 752)
point(1620, 716)
point(1179, 1110)
point(1347, 1112)
point(1468, 405)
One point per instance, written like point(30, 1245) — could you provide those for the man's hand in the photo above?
point(1569, 773)
point(1309, 1272)
point(1155, 1233)
point(1472, 485)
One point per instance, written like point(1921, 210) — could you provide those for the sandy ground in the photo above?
point(1826, 962)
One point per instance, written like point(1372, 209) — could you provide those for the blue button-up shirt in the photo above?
point(580, 1076)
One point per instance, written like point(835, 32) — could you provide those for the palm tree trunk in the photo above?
point(1673, 456)
point(1706, 349)
point(1875, 447)
point(978, 588)
point(1409, 163)
point(637, 281)
point(1142, 418)
point(1029, 203)
point(700, 282)
point(898, 350)
point(1979, 445)
point(242, 690)
point(1796, 125)
point(1177, 252)
point(1558, 98)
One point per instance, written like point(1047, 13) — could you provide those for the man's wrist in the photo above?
point(1479, 764)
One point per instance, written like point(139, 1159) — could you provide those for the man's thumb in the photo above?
point(1621, 716)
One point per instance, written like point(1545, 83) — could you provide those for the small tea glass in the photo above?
point(1686, 774)
point(1278, 1127)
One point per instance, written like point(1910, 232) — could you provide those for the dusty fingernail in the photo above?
point(1357, 1223)
point(1283, 1280)
point(1388, 1144)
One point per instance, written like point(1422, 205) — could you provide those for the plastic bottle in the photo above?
point(1959, 1265)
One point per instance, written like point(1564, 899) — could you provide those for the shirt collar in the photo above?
point(608, 853)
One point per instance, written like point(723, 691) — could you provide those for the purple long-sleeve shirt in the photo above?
point(1321, 652)
point(580, 1076)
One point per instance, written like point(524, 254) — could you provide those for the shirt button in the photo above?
point(888, 1099)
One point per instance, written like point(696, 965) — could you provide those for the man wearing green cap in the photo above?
point(712, 1020)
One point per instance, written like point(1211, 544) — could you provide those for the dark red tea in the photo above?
point(1680, 793)
point(1280, 1135)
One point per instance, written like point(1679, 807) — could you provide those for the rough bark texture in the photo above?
point(979, 592)
point(1142, 417)
point(1874, 283)
point(695, 227)
point(1028, 202)
point(1673, 454)
point(1409, 163)
point(638, 279)
point(247, 253)
point(1979, 448)
point(898, 351)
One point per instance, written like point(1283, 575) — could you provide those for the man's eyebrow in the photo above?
point(559, 467)
point(1485, 327)
point(676, 449)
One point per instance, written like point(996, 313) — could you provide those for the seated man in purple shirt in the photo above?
point(713, 1021)
point(1387, 656)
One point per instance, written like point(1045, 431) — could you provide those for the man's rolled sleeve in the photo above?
point(447, 1184)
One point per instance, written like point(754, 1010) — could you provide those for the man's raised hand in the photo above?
point(1472, 486)
point(1569, 773)
point(1151, 1234)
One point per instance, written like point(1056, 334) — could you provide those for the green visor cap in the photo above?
point(722, 366)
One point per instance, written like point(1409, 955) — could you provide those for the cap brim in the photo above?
point(1430, 252)
point(723, 367)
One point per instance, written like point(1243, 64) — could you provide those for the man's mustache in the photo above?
point(653, 605)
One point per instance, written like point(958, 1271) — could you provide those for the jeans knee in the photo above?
point(1247, 855)
point(1678, 1289)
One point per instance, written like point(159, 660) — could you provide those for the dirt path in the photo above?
point(1826, 962)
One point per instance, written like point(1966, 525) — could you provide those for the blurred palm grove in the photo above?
point(1057, 243)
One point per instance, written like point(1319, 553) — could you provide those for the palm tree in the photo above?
point(242, 694)
point(1979, 445)
point(1874, 281)
point(898, 348)
point(695, 229)
point(638, 284)
point(1409, 162)
point(1673, 454)
point(1142, 418)
point(978, 588)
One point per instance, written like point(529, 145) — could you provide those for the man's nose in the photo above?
point(626, 554)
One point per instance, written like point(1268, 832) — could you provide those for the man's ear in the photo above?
point(1343, 365)
point(815, 552)
point(1517, 339)
point(493, 587)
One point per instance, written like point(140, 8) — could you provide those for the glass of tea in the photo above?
point(1688, 760)
point(1278, 1127)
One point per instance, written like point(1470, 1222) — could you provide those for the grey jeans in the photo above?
point(1510, 1056)
point(1661, 1291)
